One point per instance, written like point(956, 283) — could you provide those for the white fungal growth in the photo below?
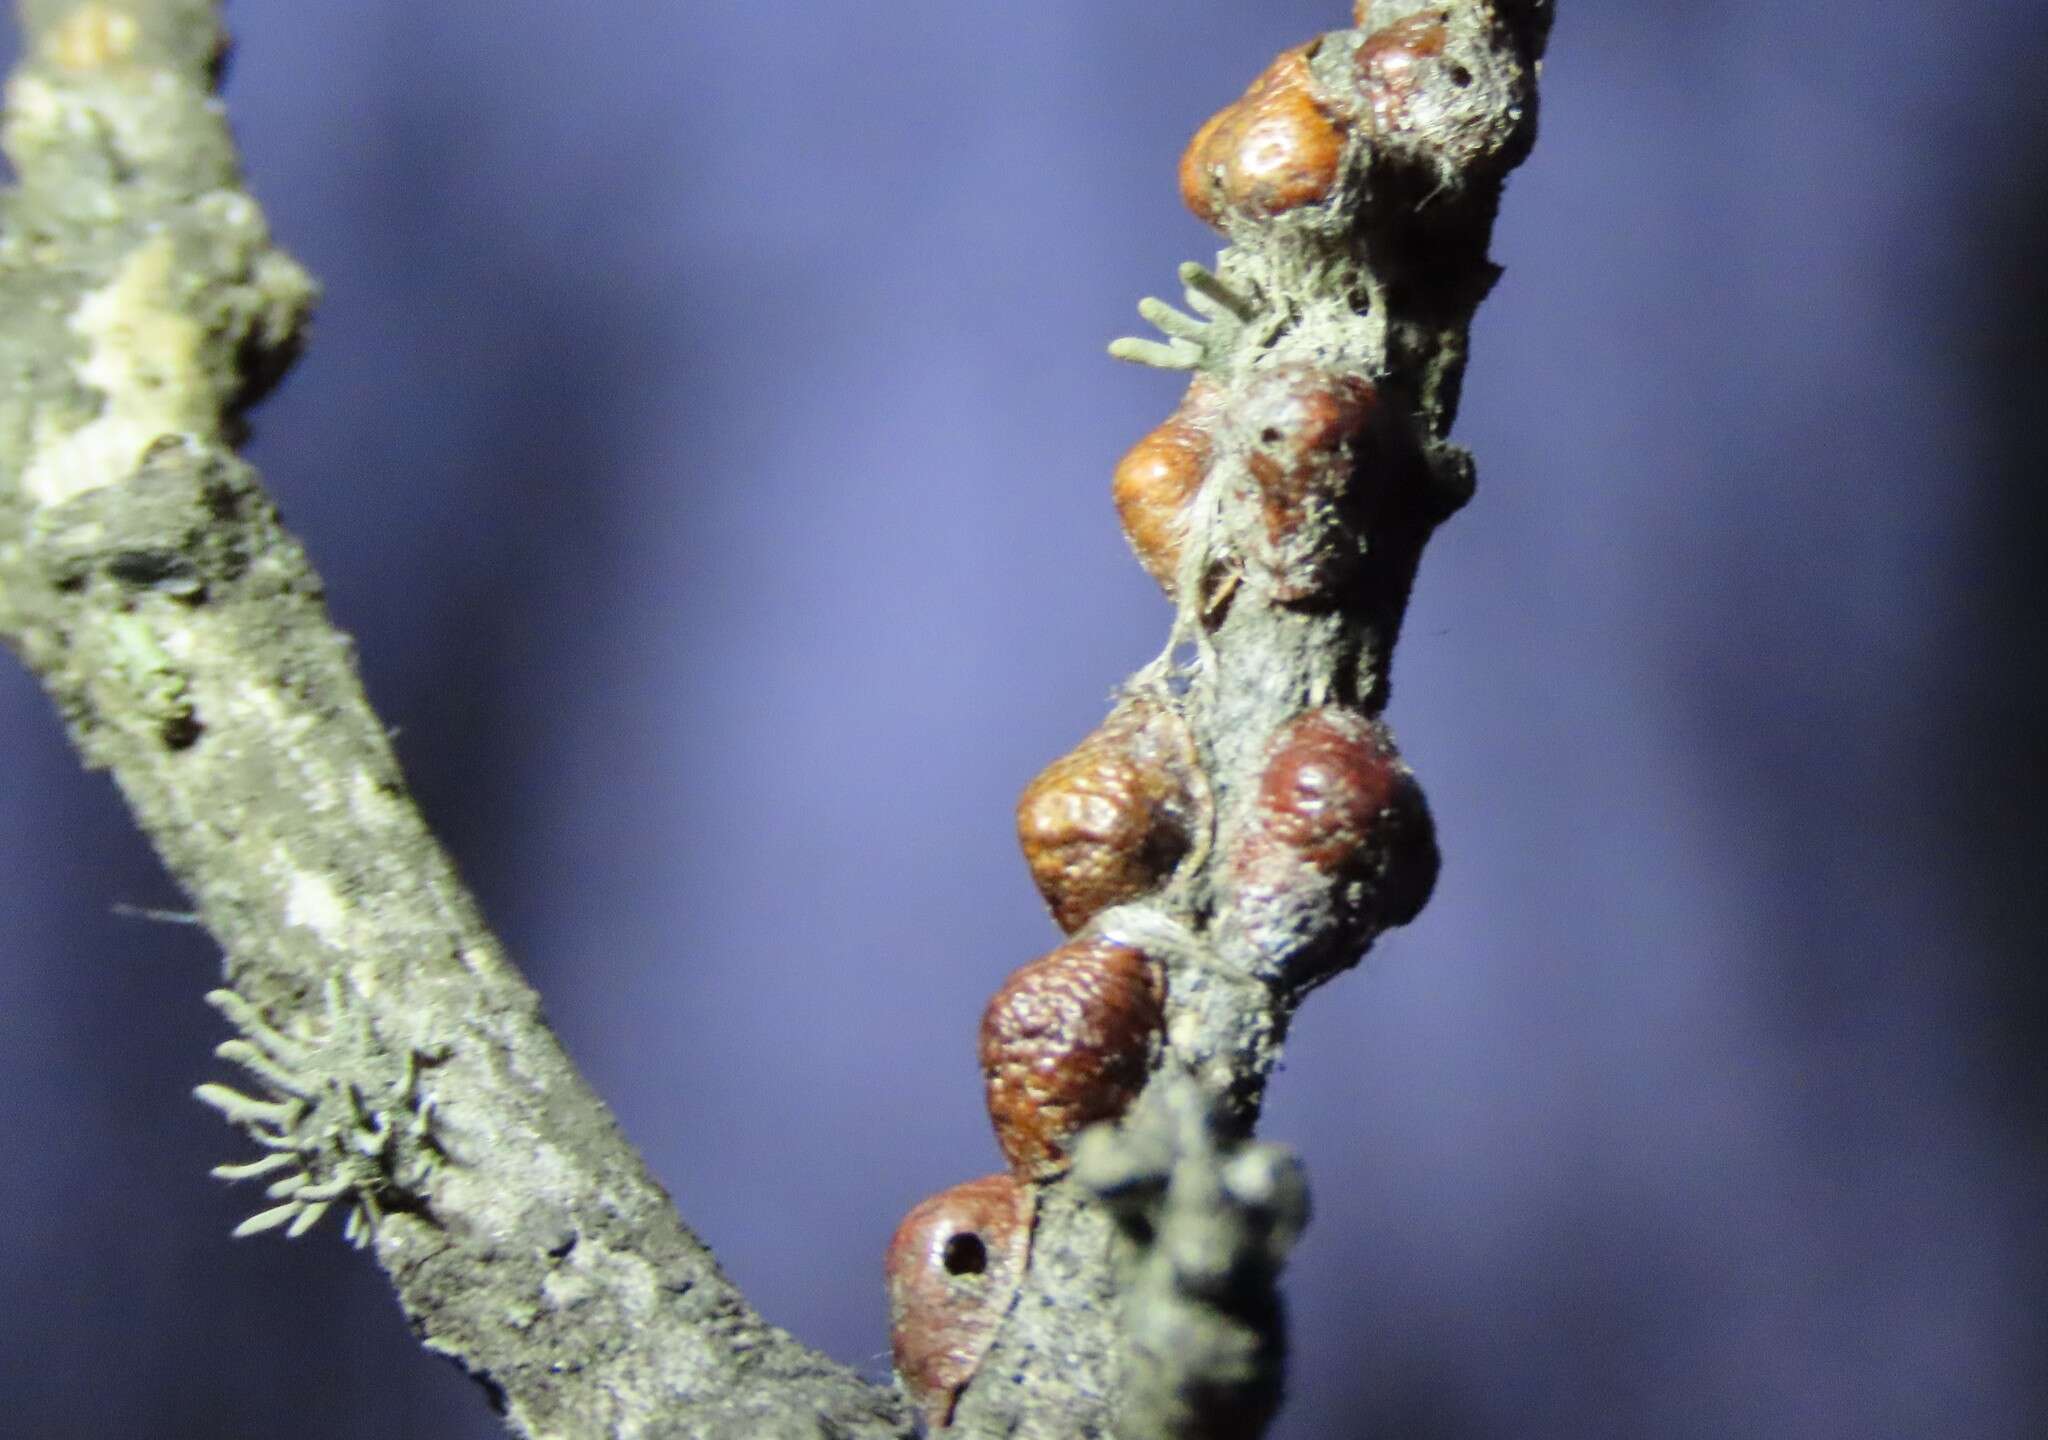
point(336, 1133)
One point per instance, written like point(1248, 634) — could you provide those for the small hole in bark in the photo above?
point(1219, 584)
point(144, 568)
point(180, 732)
point(966, 1255)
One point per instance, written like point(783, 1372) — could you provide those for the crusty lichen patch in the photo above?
point(91, 37)
point(312, 903)
point(33, 109)
point(143, 357)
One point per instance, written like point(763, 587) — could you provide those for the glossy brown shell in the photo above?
point(1068, 1041)
point(1304, 432)
point(1388, 65)
point(1157, 478)
point(1109, 821)
point(1274, 149)
point(1339, 844)
point(953, 1268)
point(1329, 779)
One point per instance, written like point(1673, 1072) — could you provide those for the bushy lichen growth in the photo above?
point(333, 1138)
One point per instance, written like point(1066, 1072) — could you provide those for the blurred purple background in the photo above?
point(707, 434)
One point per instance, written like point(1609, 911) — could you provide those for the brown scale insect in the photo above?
point(1109, 821)
point(1303, 429)
point(953, 1268)
point(1274, 149)
point(1068, 1041)
point(1389, 67)
point(1157, 479)
point(1339, 844)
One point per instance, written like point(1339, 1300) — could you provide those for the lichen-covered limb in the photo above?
point(403, 1067)
point(1210, 1223)
point(1284, 506)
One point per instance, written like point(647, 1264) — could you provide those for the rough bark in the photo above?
point(1376, 277)
point(403, 1076)
point(404, 1073)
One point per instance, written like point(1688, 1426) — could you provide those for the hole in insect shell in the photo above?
point(965, 1254)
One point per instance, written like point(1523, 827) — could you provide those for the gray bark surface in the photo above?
point(403, 1078)
point(146, 580)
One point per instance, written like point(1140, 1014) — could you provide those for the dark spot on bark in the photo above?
point(181, 731)
point(145, 569)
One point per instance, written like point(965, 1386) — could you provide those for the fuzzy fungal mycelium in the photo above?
point(329, 1139)
point(1242, 826)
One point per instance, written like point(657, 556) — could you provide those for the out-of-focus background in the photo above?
point(707, 436)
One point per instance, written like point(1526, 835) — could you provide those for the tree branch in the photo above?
point(1255, 853)
point(1209, 1223)
point(401, 1073)
point(406, 1075)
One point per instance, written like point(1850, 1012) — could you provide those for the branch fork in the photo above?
point(1232, 837)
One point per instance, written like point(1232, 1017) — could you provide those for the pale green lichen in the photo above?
point(153, 364)
point(1198, 341)
point(338, 1138)
point(91, 37)
point(159, 692)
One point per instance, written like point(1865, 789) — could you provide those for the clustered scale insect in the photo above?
point(1279, 480)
